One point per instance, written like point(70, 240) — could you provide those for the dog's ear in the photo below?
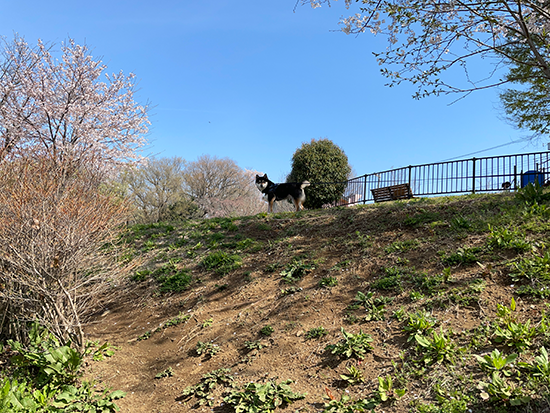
point(257, 176)
point(265, 176)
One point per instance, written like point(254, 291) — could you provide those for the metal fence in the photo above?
point(489, 174)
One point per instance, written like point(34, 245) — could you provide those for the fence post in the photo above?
point(474, 176)
point(365, 190)
point(410, 174)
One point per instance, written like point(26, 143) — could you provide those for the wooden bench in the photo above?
point(392, 193)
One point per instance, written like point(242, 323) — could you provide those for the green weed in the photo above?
point(438, 348)
point(254, 345)
point(386, 390)
point(352, 345)
point(499, 389)
point(354, 376)
point(175, 283)
point(328, 282)
point(402, 246)
point(43, 377)
point(495, 361)
point(506, 238)
point(206, 349)
point(419, 323)
point(296, 270)
point(463, 256)
point(256, 397)
point(315, 333)
point(204, 389)
point(221, 262)
point(169, 372)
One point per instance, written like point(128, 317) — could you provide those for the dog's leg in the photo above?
point(270, 205)
point(297, 204)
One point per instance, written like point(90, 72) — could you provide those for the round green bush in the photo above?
point(326, 166)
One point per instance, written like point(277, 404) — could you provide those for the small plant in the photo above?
point(44, 378)
point(498, 389)
point(419, 324)
point(290, 290)
point(402, 246)
point(207, 323)
point(375, 313)
point(392, 280)
point(463, 256)
point(175, 283)
point(328, 282)
point(316, 332)
point(267, 330)
point(386, 391)
point(436, 349)
point(535, 269)
point(221, 262)
point(354, 376)
point(363, 240)
point(532, 194)
point(97, 352)
point(505, 314)
point(399, 314)
point(166, 373)
point(352, 345)
point(256, 397)
point(203, 390)
point(505, 238)
point(416, 296)
point(540, 367)
point(496, 361)
point(514, 334)
point(272, 267)
point(348, 405)
point(296, 270)
point(206, 349)
point(254, 345)
point(180, 318)
point(460, 223)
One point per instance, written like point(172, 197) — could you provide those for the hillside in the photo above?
point(429, 281)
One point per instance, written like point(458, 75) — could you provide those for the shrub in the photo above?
point(320, 161)
point(58, 253)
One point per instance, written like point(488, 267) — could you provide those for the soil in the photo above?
point(352, 245)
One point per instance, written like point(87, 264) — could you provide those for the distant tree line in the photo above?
point(168, 189)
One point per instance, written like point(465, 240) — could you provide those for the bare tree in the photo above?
point(221, 188)
point(156, 190)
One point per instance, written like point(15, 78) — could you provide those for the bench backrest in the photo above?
point(392, 193)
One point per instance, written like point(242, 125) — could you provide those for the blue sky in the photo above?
point(253, 79)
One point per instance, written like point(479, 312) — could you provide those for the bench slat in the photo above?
point(392, 193)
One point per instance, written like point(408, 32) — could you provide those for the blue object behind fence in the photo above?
point(530, 177)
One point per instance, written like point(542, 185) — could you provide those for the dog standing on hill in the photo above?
point(277, 192)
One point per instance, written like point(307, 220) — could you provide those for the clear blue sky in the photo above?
point(253, 79)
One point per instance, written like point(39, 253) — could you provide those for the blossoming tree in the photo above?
point(64, 125)
point(67, 108)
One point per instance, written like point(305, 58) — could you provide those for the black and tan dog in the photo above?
point(277, 192)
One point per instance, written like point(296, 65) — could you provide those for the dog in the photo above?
point(277, 192)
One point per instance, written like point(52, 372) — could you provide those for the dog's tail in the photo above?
point(304, 184)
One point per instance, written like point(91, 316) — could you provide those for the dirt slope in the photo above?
point(434, 257)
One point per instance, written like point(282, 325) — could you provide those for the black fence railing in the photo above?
point(490, 174)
